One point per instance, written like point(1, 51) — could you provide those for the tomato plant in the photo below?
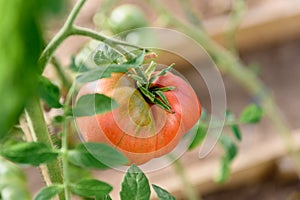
point(128, 111)
point(154, 112)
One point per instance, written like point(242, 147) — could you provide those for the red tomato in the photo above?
point(139, 129)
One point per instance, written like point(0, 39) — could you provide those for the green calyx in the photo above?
point(153, 94)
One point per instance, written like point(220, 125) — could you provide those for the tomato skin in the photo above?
point(126, 17)
point(138, 129)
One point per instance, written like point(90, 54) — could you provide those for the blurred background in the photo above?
point(267, 40)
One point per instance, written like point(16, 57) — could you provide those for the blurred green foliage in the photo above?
point(20, 46)
point(12, 182)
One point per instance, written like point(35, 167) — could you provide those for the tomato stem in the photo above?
point(153, 94)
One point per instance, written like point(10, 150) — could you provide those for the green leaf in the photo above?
point(151, 68)
point(224, 171)
point(91, 188)
point(52, 7)
point(33, 153)
point(47, 193)
point(77, 173)
point(92, 104)
point(163, 89)
point(236, 131)
point(199, 137)
point(137, 78)
point(106, 55)
point(58, 119)
point(135, 185)
point(49, 92)
point(147, 93)
point(233, 126)
point(96, 155)
point(137, 60)
point(103, 72)
point(229, 147)
point(161, 73)
point(162, 194)
point(163, 97)
point(230, 153)
point(251, 114)
point(103, 197)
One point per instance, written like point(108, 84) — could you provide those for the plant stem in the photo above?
point(62, 34)
point(190, 14)
point(235, 18)
point(65, 80)
point(64, 146)
point(39, 132)
point(188, 188)
point(69, 29)
point(64, 157)
point(77, 30)
point(229, 63)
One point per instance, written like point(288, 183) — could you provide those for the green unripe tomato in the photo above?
point(125, 18)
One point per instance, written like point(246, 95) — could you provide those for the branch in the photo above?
point(63, 33)
point(39, 132)
point(59, 70)
point(76, 30)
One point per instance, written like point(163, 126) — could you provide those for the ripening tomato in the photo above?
point(138, 128)
point(126, 17)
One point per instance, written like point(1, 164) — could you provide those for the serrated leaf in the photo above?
point(49, 92)
point(137, 60)
point(162, 194)
point(224, 172)
point(92, 104)
point(251, 114)
point(199, 137)
point(229, 147)
point(91, 188)
point(48, 193)
point(135, 185)
point(103, 72)
point(106, 55)
point(33, 153)
point(96, 155)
